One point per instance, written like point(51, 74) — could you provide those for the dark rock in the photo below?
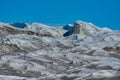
point(19, 25)
point(68, 27)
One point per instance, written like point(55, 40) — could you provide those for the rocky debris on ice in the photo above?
point(41, 52)
point(84, 28)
